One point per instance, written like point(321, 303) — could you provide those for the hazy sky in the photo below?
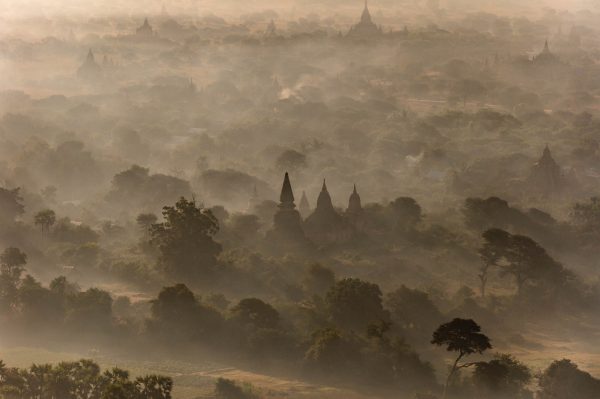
point(52, 7)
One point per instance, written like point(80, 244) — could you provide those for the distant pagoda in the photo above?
point(366, 28)
point(546, 57)
point(287, 232)
point(546, 176)
point(304, 207)
point(90, 69)
point(325, 226)
point(145, 30)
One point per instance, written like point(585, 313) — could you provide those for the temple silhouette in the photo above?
point(365, 29)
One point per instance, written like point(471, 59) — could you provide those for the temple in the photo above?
point(546, 177)
point(145, 30)
point(366, 28)
point(354, 204)
point(304, 207)
point(90, 69)
point(287, 232)
point(545, 57)
point(354, 215)
point(325, 225)
point(271, 30)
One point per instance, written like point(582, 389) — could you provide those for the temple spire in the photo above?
point(287, 195)
point(304, 206)
point(366, 15)
point(354, 203)
point(324, 199)
point(546, 47)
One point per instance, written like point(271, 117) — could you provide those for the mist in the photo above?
point(302, 199)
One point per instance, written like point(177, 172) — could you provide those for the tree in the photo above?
point(563, 379)
point(520, 257)
point(587, 215)
point(11, 204)
point(493, 250)
point(228, 389)
point(178, 316)
point(80, 379)
point(504, 376)
point(527, 260)
point(330, 351)
point(244, 227)
point(145, 220)
point(407, 212)
point(45, 219)
point(12, 261)
point(90, 310)
point(468, 88)
point(174, 303)
point(154, 387)
point(353, 303)
point(413, 310)
point(318, 279)
point(185, 241)
point(464, 337)
point(256, 312)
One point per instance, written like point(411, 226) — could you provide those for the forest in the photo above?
point(298, 199)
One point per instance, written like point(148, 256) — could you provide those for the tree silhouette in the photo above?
point(493, 250)
point(256, 312)
point(464, 337)
point(354, 303)
point(11, 204)
point(12, 261)
point(185, 240)
point(45, 219)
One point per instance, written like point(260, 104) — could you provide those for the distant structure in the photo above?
point(325, 225)
point(90, 69)
point(545, 57)
point(304, 206)
point(287, 232)
point(145, 30)
point(354, 213)
point(354, 204)
point(546, 177)
point(271, 30)
point(366, 28)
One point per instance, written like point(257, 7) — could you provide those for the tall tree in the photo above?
point(494, 248)
point(45, 219)
point(146, 220)
point(354, 304)
point(464, 337)
point(11, 204)
point(185, 241)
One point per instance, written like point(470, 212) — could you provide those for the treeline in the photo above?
point(82, 379)
point(348, 334)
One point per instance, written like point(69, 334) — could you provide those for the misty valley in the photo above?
point(300, 199)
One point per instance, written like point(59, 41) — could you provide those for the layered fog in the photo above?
point(300, 199)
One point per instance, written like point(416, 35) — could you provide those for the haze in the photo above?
point(300, 199)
